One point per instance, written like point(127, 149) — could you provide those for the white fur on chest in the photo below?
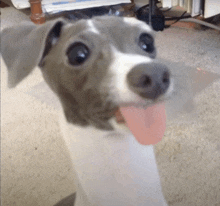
point(112, 168)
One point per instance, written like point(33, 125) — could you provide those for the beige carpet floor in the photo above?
point(35, 165)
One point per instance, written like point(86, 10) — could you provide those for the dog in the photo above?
point(95, 66)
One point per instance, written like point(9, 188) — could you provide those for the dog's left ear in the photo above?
point(25, 45)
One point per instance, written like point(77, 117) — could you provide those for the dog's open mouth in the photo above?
point(146, 120)
point(147, 124)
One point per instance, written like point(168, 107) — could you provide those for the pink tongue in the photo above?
point(147, 125)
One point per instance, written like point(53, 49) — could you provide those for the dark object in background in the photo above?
point(115, 10)
point(86, 13)
point(3, 5)
point(157, 17)
point(67, 201)
point(126, 10)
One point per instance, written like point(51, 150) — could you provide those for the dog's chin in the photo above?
point(144, 102)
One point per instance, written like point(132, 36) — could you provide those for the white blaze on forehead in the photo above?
point(92, 27)
point(135, 22)
point(122, 64)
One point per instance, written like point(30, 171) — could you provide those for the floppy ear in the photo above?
point(25, 45)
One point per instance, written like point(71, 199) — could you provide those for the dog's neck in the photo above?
point(106, 161)
point(91, 132)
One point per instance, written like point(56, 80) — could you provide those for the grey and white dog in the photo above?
point(94, 67)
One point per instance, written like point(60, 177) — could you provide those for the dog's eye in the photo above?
point(77, 53)
point(146, 42)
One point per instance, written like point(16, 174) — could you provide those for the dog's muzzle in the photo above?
point(149, 80)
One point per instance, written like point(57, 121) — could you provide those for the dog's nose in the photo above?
point(149, 80)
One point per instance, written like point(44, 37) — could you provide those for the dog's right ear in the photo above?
point(25, 45)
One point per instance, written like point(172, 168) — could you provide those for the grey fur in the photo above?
point(77, 87)
point(116, 31)
point(17, 49)
point(27, 45)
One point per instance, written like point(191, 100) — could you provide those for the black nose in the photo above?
point(149, 80)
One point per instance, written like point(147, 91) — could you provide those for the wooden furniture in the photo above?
point(37, 15)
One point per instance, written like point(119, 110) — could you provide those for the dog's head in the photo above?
point(94, 66)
